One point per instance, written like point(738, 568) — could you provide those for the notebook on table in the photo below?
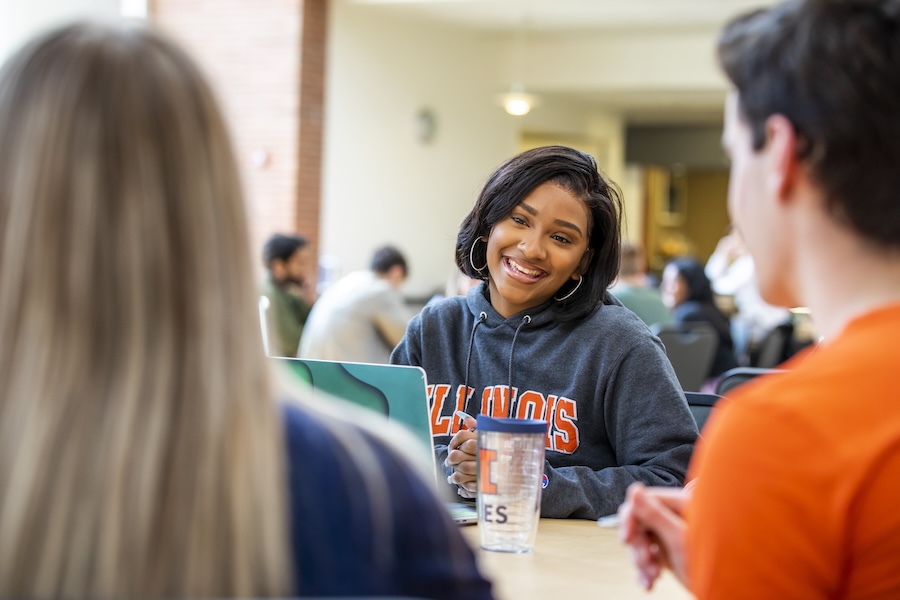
point(396, 391)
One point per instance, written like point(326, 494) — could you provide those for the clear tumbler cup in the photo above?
point(510, 468)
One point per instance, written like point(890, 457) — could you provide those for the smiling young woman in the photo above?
point(543, 339)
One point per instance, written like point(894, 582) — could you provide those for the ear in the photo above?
point(781, 156)
point(583, 265)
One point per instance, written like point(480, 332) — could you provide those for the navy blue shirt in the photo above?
point(382, 534)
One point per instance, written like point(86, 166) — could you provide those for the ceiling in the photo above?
point(558, 17)
point(563, 15)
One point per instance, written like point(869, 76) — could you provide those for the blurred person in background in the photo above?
point(362, 316)
point(731, 272)
point(795, 479)
point(142, 451)
point(633, 288)
point(289, 294)
point(687, 292)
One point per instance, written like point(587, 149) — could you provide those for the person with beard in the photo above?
point(285, 287)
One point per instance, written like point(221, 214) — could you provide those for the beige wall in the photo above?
point(382, 184)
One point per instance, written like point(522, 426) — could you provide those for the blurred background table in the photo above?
point(572, 559)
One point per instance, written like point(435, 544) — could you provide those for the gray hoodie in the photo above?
point(616, 411)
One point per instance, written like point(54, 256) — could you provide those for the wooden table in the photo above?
point(572, 559)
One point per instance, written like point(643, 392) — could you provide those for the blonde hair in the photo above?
point(141, 451)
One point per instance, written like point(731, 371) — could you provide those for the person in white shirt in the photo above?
point(362, 316)
point(732, 273)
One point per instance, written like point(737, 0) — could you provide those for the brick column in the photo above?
point(266, 61)
point(312, 117)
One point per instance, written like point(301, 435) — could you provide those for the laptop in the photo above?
point(396, 391)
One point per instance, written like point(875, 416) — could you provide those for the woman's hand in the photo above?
point(462, 456)
point(652, 523)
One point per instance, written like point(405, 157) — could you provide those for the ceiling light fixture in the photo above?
point(516, 102)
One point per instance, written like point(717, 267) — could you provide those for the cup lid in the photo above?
point(486, 423)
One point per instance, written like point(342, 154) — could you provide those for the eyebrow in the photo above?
point(530, 210)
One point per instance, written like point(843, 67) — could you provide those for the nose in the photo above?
point(532, 246)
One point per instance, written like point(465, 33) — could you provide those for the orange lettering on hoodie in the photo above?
point(495, 401)
point(531, 406)
point(565, 439)
point(438, 395)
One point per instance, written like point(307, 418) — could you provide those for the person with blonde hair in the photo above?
point(142, 452)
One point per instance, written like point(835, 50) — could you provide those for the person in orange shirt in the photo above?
point(796, 482)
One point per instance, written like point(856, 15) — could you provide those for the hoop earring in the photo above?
point(471, 259)
point(574, 289)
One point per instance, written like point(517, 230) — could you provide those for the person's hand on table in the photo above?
point(652, 524)
point(462, 456)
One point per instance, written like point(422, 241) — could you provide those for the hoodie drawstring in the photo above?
point(512, 351)
point(481, 319)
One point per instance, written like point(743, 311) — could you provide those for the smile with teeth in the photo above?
point(519, 269)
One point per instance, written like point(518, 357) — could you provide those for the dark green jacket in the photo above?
point(285, 318)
